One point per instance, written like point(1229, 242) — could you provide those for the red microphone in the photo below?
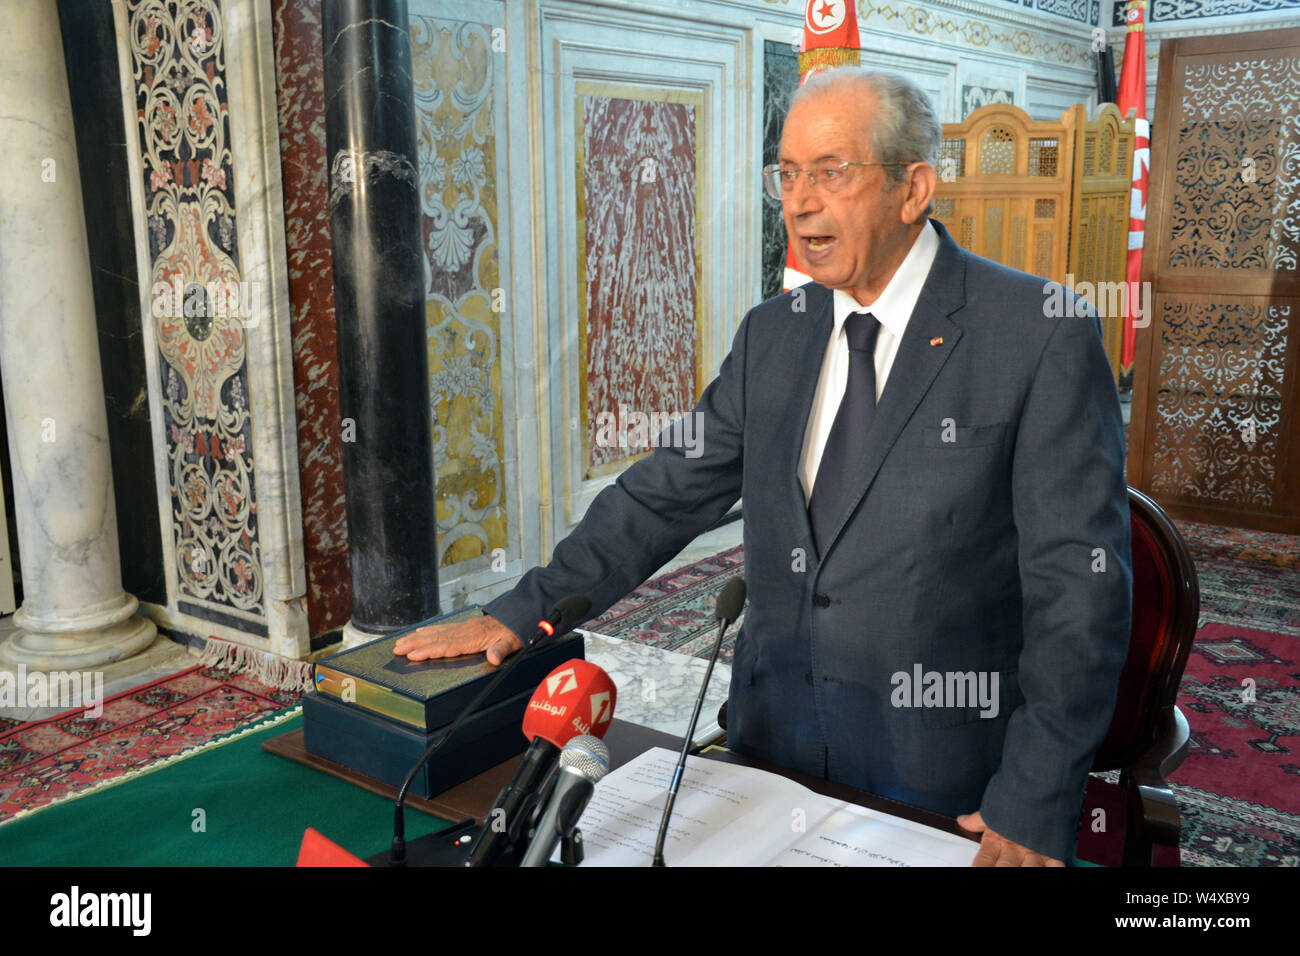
point(576, 698)
point(566, 613)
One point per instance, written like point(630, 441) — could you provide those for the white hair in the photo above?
point(904, 127)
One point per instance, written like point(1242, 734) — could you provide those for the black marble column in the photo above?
point(780, 79)
point(90, 52)
point(379, 299)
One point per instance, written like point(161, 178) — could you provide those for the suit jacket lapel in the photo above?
point(801, 407)
point(916, 364)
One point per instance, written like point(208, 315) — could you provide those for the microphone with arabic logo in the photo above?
point(575, 698)
point(566, 613)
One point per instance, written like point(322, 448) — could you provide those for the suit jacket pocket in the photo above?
point(968, 696)
point(957, 437)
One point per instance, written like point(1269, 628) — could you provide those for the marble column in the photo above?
point(379, 301)
point(75, 614)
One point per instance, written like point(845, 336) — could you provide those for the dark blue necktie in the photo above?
point(836, 473)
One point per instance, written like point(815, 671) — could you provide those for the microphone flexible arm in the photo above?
point(566, 613)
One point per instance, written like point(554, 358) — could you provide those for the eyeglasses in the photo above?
point(832, 177)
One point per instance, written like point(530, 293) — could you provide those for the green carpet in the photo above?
point(254, 806)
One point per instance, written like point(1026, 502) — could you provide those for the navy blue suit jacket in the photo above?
point(989, 533)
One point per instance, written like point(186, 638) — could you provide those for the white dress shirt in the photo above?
point(893, 309)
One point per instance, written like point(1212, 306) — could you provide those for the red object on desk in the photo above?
point(319, 850)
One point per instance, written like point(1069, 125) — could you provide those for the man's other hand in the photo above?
point(477, 634)
point(997, 850)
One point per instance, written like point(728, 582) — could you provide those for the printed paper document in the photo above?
point(726, 815)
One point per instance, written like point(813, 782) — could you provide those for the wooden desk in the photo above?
point(475, 797)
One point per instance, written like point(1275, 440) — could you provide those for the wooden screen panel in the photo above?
point(1216, 434)
point(1004, 188)
point(1051, 199)
point(1215, 398)
point(1100, 213)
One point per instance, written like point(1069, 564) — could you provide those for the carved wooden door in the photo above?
point(1214, 433)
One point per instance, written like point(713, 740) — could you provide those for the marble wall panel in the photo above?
point(301, 110)
point(973, 97)
point(638, 262)
point(456, 73)
point(178, 67)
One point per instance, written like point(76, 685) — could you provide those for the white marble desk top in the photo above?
point(657, 688)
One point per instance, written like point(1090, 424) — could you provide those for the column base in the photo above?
point(353, 637)
point(83, 620)
point(39, 651)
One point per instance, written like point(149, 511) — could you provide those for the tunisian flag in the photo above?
point(830, 39)
point(1133, 94)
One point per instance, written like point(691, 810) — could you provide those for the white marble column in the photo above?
point(75, 614)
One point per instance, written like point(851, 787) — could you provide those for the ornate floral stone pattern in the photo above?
point(454, 70)
point(946, 25)
point(1081, 11)
point(1166, 10)
point(1219, 400)
point(1236, 167)
point(1084, 11)
point(637, 183)
point(178, 64)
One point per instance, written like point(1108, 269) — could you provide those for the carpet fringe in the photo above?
point(282, 673)
point(194, 751)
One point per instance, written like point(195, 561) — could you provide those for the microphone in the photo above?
point(566, 613)
point(730, 603)
point(583, 762)
point(564, 616)
point(575, 698)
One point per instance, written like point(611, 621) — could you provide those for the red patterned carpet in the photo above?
point(48, 760)
point(1239, 788)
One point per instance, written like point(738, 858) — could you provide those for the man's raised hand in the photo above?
point(484, 633)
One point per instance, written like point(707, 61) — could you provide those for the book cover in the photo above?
point(429, 694)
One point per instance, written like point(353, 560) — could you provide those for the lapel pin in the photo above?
point(937, 340)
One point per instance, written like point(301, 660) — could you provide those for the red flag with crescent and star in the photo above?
point(830, 39)
point(1132, 94)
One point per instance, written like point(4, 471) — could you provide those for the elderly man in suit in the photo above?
point(931, 460)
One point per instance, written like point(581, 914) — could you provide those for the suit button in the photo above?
point(808, 677)
point(821, 600)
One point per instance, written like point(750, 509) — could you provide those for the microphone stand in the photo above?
point(398, 857)
point(566, 613)
point(686, 744)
